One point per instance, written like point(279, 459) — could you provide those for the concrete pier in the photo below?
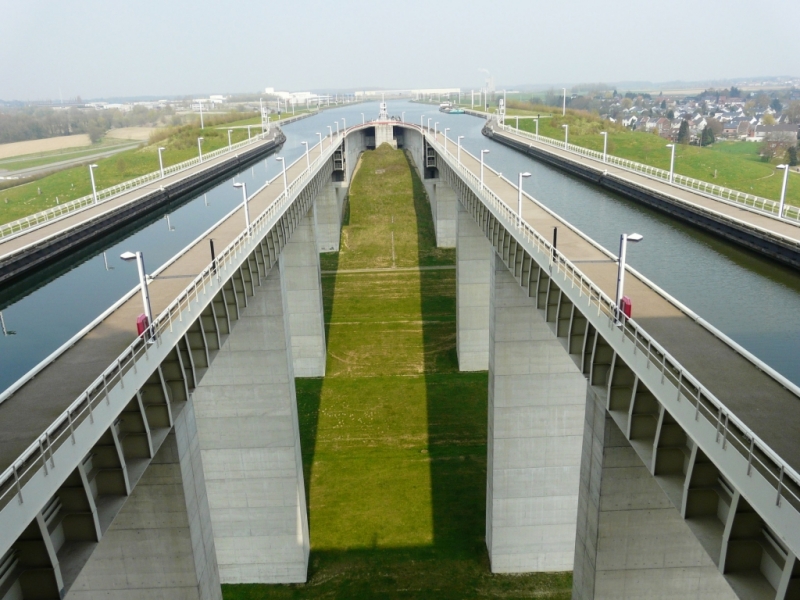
point(443, 207)
point(247, 419)
point(161, 544)
point(632, 542)
point(302, 291)
point(536, 413)
point(328, 211)
point(473, 264)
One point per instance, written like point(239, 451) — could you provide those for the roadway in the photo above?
point(767, 407)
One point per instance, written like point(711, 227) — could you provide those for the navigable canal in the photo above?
point(754, 301)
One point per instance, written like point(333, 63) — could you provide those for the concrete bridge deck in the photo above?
point(31, 409)
point(753, 228)
point(768, 407)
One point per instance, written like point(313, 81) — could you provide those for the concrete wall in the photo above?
point(249, 436)
point(473, 265)
point(632, 542)
point(536, 413)
point(327, 209)
point(302, 290)
point(443, 207)
point(161, 544)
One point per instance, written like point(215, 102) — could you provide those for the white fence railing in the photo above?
point(785, 480)
point(719, 192)
point(63, 427)
point(55, 212)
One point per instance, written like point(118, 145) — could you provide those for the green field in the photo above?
point(27, 161)
point(22, 200)
point(394, 437)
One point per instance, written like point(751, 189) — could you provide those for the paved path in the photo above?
point(764, 405)
point(787, 229)
point(13, 244)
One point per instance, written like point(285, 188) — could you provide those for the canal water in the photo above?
point(754, 301)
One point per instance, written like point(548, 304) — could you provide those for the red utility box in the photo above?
point(142, 324)
point(626, 305)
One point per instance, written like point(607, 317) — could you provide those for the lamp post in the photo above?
point(623, 249)
point(337, 128)
point(537, 129)
point(91, 176)
point(783, 188)
point(446, 129)
point(308, 159)
point(461, 137)
point(566, 136)
point(482, 153)
point(671, 162)
point(201, 115)
point(320, 144)
point(244, 203)
point(564, 106)
point(421, 122)
point(435, 129)
point(344, 125)
point(605, 144)
point(248, 133)
point(519, 197)
point(200, 148)
point(429, 123)
point(403, 117)
point(139, 258)
point(161, 162)
point(230, 131)
point(285, 183)
point(330, 135)
point(363, 119)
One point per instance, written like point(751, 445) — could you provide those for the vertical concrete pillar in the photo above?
point(631, 541)
point(250, 440)
point(443, 209)
point(161, 543)
point(536, 411)
point(302, 288)
point(327, 209)
point(473, 265)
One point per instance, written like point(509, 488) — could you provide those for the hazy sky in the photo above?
point(95, 48)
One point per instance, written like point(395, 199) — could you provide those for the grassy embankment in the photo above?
point(394, 437)
point(733, 164)
point(180, 144)
point(37, 159)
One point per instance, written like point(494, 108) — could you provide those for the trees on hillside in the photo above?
point(683, 133)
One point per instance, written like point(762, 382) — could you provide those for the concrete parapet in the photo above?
point(536, 413)
point(161, 544)
point(302, 292)
point(473, 263)
point(632, 542)
point(249, 435)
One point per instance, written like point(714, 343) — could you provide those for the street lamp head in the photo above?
point(603, 133)
point(461, 137)
point(160, 149)
point(670, 145)
point(92, 166)
point(200, 139)
point(484, 151)
point(635, 237)
point(526, 174)
point(238, 185)
point(782, 167)
point(128, 256)
point(280, 158)
point(565, 126)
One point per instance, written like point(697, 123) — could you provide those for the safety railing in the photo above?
point(39, 218)
point(730, 429)
point(63, 427)
point(758, 203)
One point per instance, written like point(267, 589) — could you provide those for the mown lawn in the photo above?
point(394, 437)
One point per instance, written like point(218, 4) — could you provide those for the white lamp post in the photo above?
point(446, 129)
point(605, 144)
point(537, 129)
point(403, 117)
point(230, 131)
point(429, 123)
point(566, 136)
point(320, 144)
point(91, 176)
point(337, 128)
point(671, 162)
point(422, 122)
point(783, 188)
point(435, 129)
point(244, 203)
point(564, 107)
point(623, 248)
point(139, 258)
point(461, 137)
point(308, 159)
point(482, 153)
point(330, 135)
point(200, 148)
point(519, 197)
point(161, 162)
point(363, 119)
point(285, 183)
point(202, 126)
point(248, 133)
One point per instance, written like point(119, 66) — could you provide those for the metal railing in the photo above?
point(730, 429)
point(717, 192)
point(40, 452)
point(60, 210)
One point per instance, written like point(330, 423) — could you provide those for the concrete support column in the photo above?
point(302, 289)
point(327, 209)
point(536, 412)
point(161, 543)
point(632, 542)
point(473, 266)
point(250, 439)
point(443, 207)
